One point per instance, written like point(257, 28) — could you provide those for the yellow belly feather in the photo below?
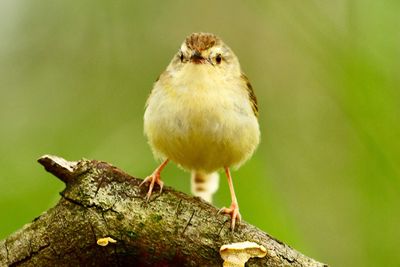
point(200, 124)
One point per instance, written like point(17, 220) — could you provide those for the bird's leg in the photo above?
point(233, 210)
point(155, 177)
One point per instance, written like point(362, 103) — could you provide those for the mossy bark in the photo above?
point(172, 229)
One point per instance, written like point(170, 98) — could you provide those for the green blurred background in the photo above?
point(74, 77)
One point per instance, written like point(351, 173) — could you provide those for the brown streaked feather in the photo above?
point(252, 96)
point(199, 179)
point(200, 188)
point(201, 41)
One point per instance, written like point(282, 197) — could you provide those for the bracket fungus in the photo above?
point(104, 241)
point(237, 254)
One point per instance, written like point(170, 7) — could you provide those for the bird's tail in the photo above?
point(204, 185)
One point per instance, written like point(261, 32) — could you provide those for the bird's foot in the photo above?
point(233, 211)
point(154, 178)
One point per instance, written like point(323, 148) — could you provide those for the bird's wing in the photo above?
point(252, 96)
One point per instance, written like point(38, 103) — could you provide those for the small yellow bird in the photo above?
point(202, 115)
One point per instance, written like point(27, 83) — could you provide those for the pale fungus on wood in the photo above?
point(237, 254)
point(104, 241)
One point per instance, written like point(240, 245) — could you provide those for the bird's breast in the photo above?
point(201, 124)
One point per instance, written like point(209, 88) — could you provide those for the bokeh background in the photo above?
point(74, 77)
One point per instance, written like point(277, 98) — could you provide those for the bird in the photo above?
point(202, 114)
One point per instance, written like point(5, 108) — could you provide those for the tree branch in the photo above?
point(172, 229)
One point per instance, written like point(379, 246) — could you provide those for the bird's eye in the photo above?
point(218, 59)
point(181, 57)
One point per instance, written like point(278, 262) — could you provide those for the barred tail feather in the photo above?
point(204, 185)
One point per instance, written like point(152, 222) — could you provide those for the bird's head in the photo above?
point(205, 50)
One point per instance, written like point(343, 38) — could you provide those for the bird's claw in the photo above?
point(233, 211)
point(154, 178)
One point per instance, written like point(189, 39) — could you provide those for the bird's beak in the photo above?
point(196, 57)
